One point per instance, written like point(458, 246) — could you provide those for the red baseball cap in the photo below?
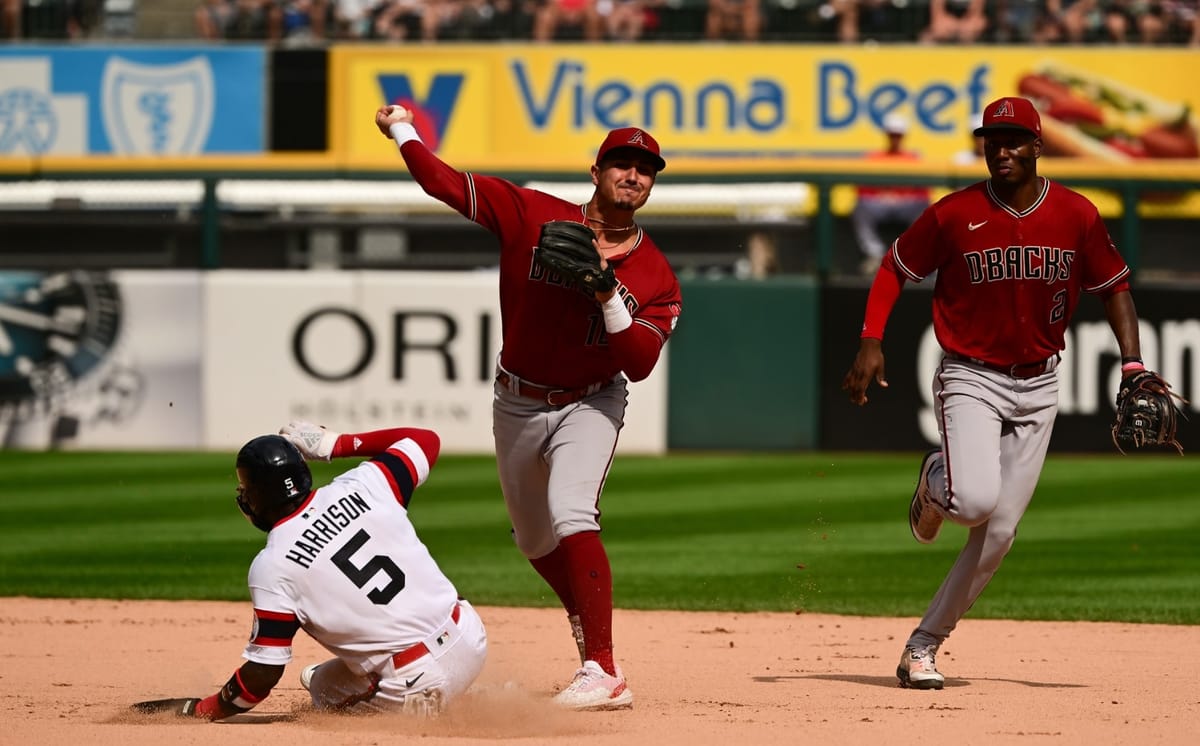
point(1010, 113)
point(631, 137)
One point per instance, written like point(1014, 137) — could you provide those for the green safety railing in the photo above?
point(1130, 181)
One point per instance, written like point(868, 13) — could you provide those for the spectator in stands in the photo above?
point(560, 20)
point(733, 20)
point(1186, 17)
point(622, 20)
point(49, 19)
point(674, 20)
point(879, 205)
point(1181, 21)
point(239, 19)
point(304, 21)
point(1135, 21)
point(1017, 21)
point(352, 18)
point(10, 22)
point(844, 15)
point(853, 20)
point(955, 21)
point(1071, 21)
point(398, 20)
point(510, 19)
point(761, 259)
point(458, 19)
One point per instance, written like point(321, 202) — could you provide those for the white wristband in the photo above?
point(403, 132)
point(616, 315)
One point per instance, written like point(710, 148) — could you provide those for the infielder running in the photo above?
point(1011, 254)
point(560, 390)
point(344, 564)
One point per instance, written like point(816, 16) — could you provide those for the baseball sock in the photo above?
point(553, 569)
point(591, 584)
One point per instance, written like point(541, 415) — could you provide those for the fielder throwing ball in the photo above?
point(577, 324)
point(1012, 255)
point(344, 564)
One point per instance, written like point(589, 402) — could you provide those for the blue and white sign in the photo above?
point(131, 101)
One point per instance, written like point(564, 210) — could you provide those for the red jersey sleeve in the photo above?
point(439, 179)
point(885, 291)
point(497, 204)
point(637, 348)
point(350, 445)
point(1104, 269)
point(918, 251)
point(554, 334)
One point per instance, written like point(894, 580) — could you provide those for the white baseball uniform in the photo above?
point(348, 568)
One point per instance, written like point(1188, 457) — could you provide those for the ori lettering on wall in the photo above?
point(361, 350)
point(145, 359)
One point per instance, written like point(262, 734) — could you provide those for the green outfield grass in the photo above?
point(1107, 537)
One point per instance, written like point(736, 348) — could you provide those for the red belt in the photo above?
point(552, 396)
point(1017, 370)
point(414, 652)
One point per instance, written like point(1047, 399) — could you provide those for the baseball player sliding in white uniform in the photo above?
point(344, 564)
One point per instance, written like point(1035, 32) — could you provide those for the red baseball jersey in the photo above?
point(553, 332)
point(1008, 282)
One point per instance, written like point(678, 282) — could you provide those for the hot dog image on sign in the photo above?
point(1084, 114)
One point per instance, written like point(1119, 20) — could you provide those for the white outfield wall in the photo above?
point(220, 357)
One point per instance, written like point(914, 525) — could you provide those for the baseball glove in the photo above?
point(566, 247)
point(1147, 413)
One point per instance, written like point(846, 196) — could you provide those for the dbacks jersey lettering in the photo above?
point(553, 332)
point(1009, 281)
point(562, 341)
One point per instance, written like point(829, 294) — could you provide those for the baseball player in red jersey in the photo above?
point(560, 389)
point(344, 564)
point(1012, 255)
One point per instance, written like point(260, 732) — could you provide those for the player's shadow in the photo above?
point(890, 682)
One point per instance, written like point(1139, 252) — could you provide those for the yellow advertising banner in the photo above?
point(548, 107)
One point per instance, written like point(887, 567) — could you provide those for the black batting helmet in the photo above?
point(274, 479)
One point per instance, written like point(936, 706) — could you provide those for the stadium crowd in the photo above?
point(299, 22)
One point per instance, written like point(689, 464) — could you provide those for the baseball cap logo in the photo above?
point(634, 138)
point(1005, 109)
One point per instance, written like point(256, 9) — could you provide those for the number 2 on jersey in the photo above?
point(1059, 311)
point(360, 576)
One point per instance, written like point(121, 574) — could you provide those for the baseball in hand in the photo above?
point(389, 115)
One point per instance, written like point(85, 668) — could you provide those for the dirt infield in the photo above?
point(69, 668)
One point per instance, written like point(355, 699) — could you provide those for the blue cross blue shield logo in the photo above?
point(157, 109)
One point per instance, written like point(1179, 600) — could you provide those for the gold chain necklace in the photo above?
point(609, 227)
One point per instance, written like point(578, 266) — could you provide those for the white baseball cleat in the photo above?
point(307, 674)
point(924, 519)
point(593, 689)
point(918, 669)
